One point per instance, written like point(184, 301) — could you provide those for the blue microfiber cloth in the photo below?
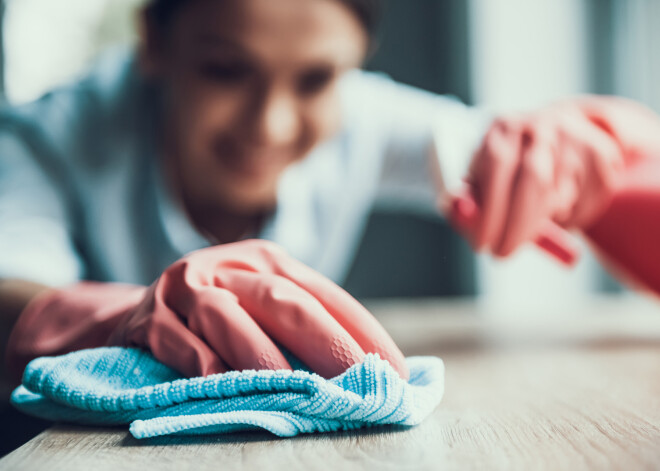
point(115, 385)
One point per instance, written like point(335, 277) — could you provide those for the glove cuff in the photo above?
point(59, 321)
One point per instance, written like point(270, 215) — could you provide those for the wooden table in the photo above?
point(578, 389)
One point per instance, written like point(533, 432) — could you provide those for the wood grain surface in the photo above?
point(579, 389)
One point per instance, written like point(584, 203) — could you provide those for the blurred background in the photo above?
point(500, 54)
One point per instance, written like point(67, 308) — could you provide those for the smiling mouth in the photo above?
point(251, 166)
point(246, 162)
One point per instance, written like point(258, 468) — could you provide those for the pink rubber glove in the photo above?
point(215, 310)
point(560, 165)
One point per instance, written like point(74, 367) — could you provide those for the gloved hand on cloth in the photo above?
point(222, 308)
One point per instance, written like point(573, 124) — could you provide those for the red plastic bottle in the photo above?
point(627, 236)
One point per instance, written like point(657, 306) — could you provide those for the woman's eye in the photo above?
point(225, 73)
point(314, 82)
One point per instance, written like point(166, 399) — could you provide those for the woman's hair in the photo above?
point(367, 11)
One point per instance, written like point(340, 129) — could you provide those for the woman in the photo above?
point(243, 119)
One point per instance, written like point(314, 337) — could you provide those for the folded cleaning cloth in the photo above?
point(115, 385)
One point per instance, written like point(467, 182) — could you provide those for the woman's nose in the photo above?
point(275, 121)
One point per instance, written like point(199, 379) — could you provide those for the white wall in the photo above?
point(49, 42)
point(527, 52)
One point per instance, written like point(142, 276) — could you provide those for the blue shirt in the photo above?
point(82, 195)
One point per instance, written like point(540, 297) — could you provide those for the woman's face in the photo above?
point(250, 87)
